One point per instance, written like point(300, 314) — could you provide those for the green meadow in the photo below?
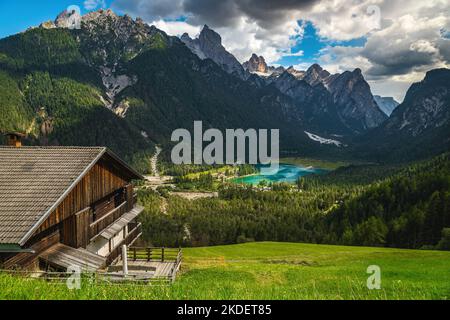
point(269, 270)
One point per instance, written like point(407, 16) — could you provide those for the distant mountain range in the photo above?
point(122, 83)
point(418, 127)
point(350, 100)
point(386, 104)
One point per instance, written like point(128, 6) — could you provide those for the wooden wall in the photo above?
point(99, 182)
point(28, 260)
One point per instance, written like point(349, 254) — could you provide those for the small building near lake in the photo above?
point(65, 206)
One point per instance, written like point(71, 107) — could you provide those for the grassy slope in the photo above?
point(273, 271)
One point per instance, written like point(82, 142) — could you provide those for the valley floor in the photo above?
point(271, 270)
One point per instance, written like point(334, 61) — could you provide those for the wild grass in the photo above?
point(271, 271)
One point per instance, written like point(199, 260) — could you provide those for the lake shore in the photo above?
point(287, 173)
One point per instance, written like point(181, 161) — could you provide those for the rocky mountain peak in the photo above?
point(315, 75)
point(102, 14)
point(425, 106)
point(420, 125)
point(185, 36)
point(210, 37)
point(357, 106)
point(256, 64)
point(209, 46)
point(357, 72)
point(68, 19)
point(109, 41)
point(296, 73)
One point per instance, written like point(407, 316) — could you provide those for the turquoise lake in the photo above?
point(286, 173)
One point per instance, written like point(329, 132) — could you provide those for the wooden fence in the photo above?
point(130, 238)
point(167, 255)
point(97, 278)
point(161, 254)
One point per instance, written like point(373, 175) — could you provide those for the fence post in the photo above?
point(134, 253)
point(162, 254)
point(125, 260)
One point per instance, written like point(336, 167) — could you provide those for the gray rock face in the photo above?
point(319, 111)
point(209, 46)
point(426, 106)
point(66, 19)
point(354, 100)
point(296, 73)
point(298, 89)
point(109, 42)
point(193, 45)
point(419, 127)
point(315, 75)
point(256, 64)
point(386, 104)
point(347, 96)
point(259, 66)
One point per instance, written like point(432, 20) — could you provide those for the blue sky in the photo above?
point(17, 16)
point(311, 44)
point(339, 35)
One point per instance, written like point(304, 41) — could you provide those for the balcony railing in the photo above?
point(88, 229)
point(131, 237)
point(164, 255)
point(101, 224)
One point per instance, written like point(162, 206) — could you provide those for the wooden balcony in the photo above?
point(149, 265)
point(130, 238)
point(87, 229)
point(101, 224)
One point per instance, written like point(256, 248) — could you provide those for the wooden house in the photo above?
point(65, 206)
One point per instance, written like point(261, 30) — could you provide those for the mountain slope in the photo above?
point(419, 127)
point(53, 94)
point(356, 106)
point(257, 65)
point(353, 106)
point(124, 84)
point(408, 210)
point(319, 110)
point(16, 114)
point(209, 46)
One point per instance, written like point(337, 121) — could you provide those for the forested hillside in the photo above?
point(48, 92)
point(124, 84)
point(409, 209)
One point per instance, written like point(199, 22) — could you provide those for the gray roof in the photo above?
point(35, 180)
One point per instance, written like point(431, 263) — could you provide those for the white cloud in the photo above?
point(300, 53)
point(94, 4)
point(248, 37)
point(345, 20)
point(177, 28)
point(245, 38)
point(405, 38)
